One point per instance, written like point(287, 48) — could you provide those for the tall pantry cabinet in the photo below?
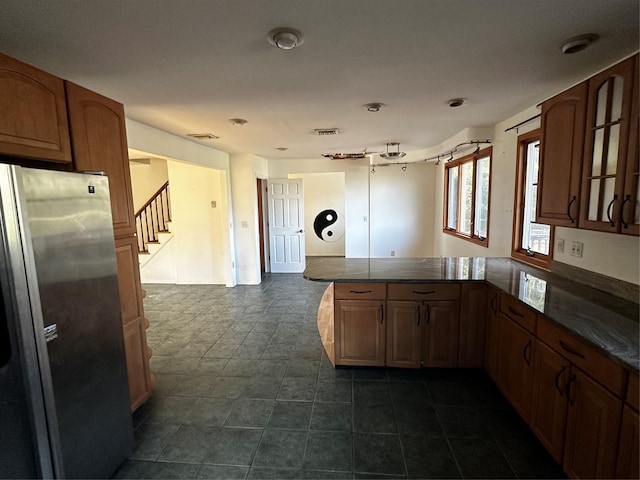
point(49, 123)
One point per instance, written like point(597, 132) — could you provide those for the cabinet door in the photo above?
point(630, 209)
point(562, 139)
point(99, 143)
point(491, 351)
point(33, 118)
point(592, 429)
point(606, 142)
point(515, 360)
point(549, 402)
point(628, 465)
point(404, 334)
point(134, 324)
point(137, 356)
point(473, 325)
point(360, 332)
point(440, 334)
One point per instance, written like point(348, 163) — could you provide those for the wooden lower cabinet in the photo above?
point(440, 334)
point(515, 364)
point(549, 403)
point(473, 325)
point(628, 464)
point(360, 332)
point(137, 355)
point(491, 348)
point(404, 334)
point(133, 321)
point(593, 424)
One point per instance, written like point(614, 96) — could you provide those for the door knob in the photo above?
point(300, 231)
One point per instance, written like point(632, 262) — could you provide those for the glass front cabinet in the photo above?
point(610, 187)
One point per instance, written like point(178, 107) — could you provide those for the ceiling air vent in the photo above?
point(203, 136)
point(344, 156)
point(326, 131)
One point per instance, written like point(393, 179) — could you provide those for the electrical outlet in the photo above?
point(244, 224)
point(560, 247)
point(393, 253)
point(576, 249)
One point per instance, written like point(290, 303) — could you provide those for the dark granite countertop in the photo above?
point(608, 322)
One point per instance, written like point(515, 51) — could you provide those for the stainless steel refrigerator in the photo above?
point(64, 396)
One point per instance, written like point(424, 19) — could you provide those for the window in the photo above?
point(532, 242)
point(467, 197)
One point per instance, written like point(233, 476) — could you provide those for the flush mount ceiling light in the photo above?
point(456, 102)
point(373, 107)
point(393, 155)
point(579, 43)
point(238, 122)
point(285, 38)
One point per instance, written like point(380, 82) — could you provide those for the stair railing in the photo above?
point(153, 218)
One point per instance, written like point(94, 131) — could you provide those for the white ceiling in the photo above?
point(188, 66)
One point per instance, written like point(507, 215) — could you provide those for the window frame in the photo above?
point(517, 251)
point(473, 157)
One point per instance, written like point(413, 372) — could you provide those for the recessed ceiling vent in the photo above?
point(203, 136)
point(326, 131)
point(344, 156)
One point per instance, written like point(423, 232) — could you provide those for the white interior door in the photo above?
point(286, 226)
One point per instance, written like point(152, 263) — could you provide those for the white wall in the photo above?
point(146, 179)
point(198, 227)
point(613, 255)
point(323, 191)
point(245, 170)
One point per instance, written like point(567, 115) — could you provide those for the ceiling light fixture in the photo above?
point(285, 38)
point(392, 155)
point(456, 102)
point(373, 107)
point(238, 122)
point(282, 149)
point(577, 44)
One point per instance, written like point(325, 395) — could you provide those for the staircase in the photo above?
point(152, 224)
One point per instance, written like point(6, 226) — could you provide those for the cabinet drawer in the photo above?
point(519, 313)
point(587, 358)
point(424, 291)
point(360, 291)
point(633, 390)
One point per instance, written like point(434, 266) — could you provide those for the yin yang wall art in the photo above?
point(329, 225)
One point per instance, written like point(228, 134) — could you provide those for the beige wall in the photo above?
point(146, 178)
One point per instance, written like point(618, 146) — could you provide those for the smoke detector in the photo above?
point(285, 38)
point(326, 131)
point(393, 155)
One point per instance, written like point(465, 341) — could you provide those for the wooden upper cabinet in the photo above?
point(562, 139)
point(33, 113)
point(630, 206)
point(99, 143)
point(609, 106)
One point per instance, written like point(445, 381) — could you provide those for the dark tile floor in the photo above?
point(244, 390)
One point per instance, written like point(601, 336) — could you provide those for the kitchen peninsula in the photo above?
point(564, 354)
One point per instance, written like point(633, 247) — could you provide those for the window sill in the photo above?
point(537, 260)
point(476, 240)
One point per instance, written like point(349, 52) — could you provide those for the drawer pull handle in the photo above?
point(360, 292)
point(418, 292)
point(524, 353)
point(569, 385)
point(570, 350)
point(515, 312)
point(558, 375)
point(494, 303)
